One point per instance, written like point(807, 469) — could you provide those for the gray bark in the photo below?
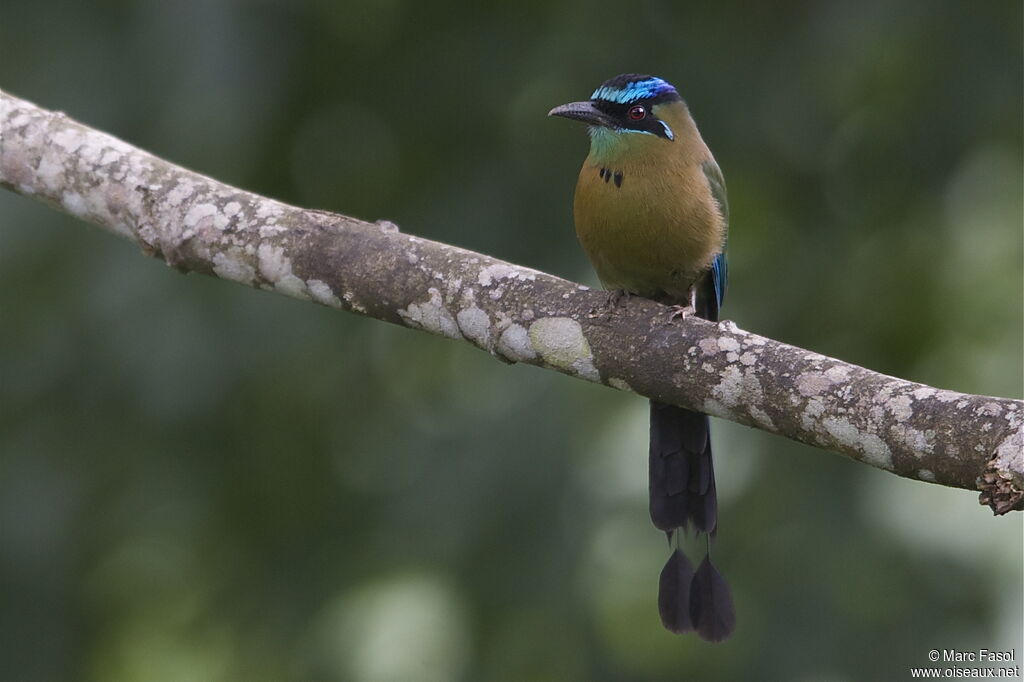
point(197, 224)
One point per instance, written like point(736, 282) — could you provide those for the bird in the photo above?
point(651, 213)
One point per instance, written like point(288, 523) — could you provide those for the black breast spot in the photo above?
point(618, 179)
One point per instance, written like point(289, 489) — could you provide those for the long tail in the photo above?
point(682, 489)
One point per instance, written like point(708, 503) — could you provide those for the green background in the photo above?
point(200, 481)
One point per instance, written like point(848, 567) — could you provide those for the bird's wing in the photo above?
point(714, 175)
point(719, 275)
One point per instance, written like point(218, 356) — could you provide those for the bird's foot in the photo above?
point(681, 312)
point(616, 297)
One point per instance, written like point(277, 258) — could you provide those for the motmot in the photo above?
point(652, 216)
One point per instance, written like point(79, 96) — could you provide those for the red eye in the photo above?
point(637, 113)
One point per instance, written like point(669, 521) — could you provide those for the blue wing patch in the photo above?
point(720, 276)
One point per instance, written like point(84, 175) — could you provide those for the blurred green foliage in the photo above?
point(201, 482)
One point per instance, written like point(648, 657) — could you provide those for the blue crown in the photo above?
point(632, 87)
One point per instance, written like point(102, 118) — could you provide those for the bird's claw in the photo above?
point(616, 297)
point(681, 312)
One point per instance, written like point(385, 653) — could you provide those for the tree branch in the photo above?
point(197, 224)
